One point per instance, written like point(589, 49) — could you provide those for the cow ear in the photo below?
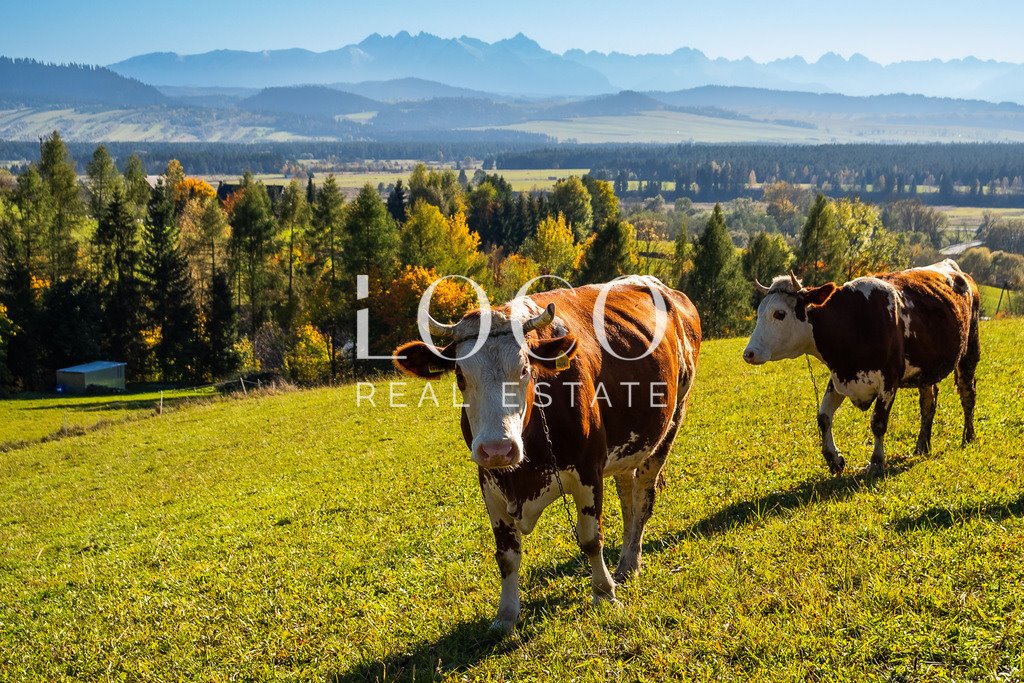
point(817, 296)
point(551, 356)
point(416, 358)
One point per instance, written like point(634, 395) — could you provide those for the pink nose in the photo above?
point(496, 449)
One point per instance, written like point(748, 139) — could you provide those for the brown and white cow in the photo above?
point(877, 334)
point(606, 416)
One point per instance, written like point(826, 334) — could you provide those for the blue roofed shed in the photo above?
point(101, 374)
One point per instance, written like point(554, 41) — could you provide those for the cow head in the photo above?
point(783, 330)
point(497, 381)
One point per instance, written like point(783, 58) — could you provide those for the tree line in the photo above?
point(187, 286)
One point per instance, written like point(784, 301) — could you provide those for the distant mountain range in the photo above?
point(95, 103)
point(516, 65)
point(519, 66)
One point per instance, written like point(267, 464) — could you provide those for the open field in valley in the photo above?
point(297, 536)
point(520, 179)
point(678, 127)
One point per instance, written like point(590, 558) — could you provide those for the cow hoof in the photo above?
point(625, 574)
point(606, 599)
point(502, 627)
point(875, 469)
point(836, 464)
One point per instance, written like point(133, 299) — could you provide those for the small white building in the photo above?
point(101, 373)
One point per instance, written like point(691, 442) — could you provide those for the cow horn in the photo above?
point(440, 330)
point(542, 320)
point(761, 288)
point(796, 283)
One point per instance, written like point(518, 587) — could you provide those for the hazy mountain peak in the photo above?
point(519, 65)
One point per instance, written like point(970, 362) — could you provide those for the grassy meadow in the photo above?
point(297, 536)
point(680, 127)
point(521, 179)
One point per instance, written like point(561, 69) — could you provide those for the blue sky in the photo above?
point(106, 31)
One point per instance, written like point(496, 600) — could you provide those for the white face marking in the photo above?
point(778, 333)
point(494, 385)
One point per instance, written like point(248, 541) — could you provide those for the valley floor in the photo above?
point(298, 536)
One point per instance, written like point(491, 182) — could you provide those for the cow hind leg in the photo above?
point(879, 425)
point(965, 381)
point(830, 402)
point(928, 397)
point(588, 531)
point(624, 484)
point(644, 490)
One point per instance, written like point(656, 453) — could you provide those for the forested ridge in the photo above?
point(188, 284)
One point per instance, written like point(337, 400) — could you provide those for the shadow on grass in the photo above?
point(944, 518)
point(121, 402)
point(456, 651)
point(817, 490)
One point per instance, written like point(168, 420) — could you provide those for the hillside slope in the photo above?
point(32, 83)
point(299, 536)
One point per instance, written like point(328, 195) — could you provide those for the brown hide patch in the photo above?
point(420, 360)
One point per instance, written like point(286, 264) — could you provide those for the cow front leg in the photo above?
point(508, 554)
point(879, 425)
point(928, 398)
point(588, 499)
point(830, 402)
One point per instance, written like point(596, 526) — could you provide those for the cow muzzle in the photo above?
point(753, 357)
point(497, 454)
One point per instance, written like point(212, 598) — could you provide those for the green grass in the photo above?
point(31, 417)
point(296, 536)
point(990, 301)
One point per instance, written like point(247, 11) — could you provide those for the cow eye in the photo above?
point(525, 372)
point(780, 315)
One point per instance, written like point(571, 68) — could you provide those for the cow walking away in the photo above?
point(579, 411)
point(877, 334)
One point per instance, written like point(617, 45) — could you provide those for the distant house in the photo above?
point(101, 374)
point(225, 190)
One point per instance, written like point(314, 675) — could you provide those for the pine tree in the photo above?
point(136, 187)
point(371, 237)
point(396, 203)
point(253, 231)
point(766, 256)
point(294, 218)
point(820, 256)
point(221, 328)
point(716, 285)
point(57, 170)
point(102, 179)
point(32, 223)
point(611, 253)
point(327, 230)
point(310, 190)
point(171, 306)
point(118, 256)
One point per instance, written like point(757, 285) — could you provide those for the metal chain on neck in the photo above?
point(814, 382)
point(554, 466)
